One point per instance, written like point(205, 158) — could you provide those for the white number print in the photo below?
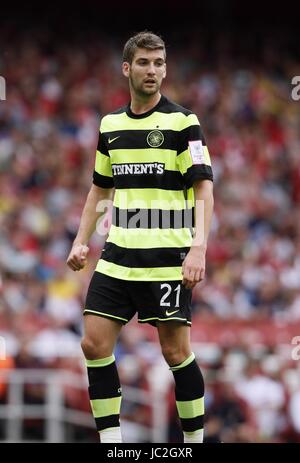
point(177, 295)
point(167, 293)
point(162, 301)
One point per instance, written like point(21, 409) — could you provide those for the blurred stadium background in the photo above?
point(230, 62)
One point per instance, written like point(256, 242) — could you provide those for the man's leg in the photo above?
point(189, 385)
point(100, 336)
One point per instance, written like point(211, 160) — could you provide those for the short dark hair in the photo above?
point(145, 39)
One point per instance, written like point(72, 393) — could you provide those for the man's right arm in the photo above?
point(78, 255)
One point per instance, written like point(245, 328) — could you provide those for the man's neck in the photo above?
point(140, 105)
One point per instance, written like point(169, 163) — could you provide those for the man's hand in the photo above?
point(78, 257)
point(193, 267)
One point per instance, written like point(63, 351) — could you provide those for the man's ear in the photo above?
point(125, 69)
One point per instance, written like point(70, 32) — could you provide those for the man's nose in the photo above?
point(151, 69)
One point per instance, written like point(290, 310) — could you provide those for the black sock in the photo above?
point(189, 393)
point(105, 392)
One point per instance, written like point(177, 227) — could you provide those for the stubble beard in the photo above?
point(142, 91)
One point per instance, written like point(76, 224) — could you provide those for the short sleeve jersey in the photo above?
point(152, 161)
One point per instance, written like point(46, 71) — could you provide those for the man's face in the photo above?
point(146, 72)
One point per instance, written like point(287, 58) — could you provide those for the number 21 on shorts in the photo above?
point(168, 287)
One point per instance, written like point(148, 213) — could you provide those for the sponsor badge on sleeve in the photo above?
point(196, 151)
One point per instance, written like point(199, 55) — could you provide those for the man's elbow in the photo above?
point(204, 187)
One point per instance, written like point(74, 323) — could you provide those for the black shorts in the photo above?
point(153, 300)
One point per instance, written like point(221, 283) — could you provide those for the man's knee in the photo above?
point(94, 350)
point(175, 355)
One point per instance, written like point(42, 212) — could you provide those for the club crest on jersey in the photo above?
point(155, 138)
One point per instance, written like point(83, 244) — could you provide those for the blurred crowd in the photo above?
point(48, 134)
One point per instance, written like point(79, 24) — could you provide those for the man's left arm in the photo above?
point(193, 267)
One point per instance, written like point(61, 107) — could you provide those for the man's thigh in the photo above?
point(109, 297)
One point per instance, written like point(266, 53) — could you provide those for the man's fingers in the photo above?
point(186, 273)
point(195, 280)
point(75, 264)
point(188, 277)
point(192, 277)
point(76, 261)
point(75, 267)
point(197, 277)
point(78, 257)
point(193, 271)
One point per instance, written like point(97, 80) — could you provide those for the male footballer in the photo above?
point(153, 161)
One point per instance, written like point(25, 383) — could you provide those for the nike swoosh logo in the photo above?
point(110, 140)
point(171, 313)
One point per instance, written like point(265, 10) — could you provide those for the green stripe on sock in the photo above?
point(100, 362)
point(190, 408)
point(106, 407)
point(185, 363)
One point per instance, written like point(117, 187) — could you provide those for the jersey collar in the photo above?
point(146, 114)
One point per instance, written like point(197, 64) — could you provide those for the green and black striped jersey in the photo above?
point(152, 161)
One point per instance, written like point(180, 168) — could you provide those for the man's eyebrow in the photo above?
point(147, 59)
